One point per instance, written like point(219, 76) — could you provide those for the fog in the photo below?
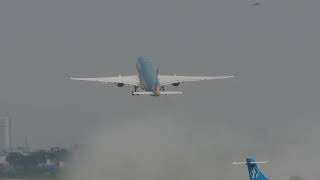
point(150, 148)
point(270, 110)
point(155, 146)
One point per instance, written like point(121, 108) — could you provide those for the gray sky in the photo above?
point(272, 49)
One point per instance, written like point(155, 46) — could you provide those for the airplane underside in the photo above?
point(155, 93)
point(161, 91)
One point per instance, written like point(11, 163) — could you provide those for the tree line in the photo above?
point(41, 161)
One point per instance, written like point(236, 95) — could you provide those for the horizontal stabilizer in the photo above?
point(169, 92)
point(142, 93)
point(253, 162)
point(161, 93)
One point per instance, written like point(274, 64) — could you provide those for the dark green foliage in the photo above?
point(16, 159)
point(58, 154)
point(35, 163)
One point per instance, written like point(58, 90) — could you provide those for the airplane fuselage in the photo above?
point(148, 76)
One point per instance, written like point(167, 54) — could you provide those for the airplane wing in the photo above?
point(129, 80)
point(165, 79)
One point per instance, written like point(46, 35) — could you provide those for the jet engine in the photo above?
point(120, 84)
point(175, 84)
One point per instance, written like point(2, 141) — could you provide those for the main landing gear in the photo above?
point(135, 90)
point(162, 89)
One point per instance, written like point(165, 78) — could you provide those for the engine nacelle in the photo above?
point(175, 84)
point(120, 84)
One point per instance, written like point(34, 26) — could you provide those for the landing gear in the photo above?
point(162, 89)
point(135, 90)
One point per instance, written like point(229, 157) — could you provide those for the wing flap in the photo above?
point(165, 79)
point(130, 80)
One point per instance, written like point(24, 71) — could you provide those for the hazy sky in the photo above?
point(273, 50)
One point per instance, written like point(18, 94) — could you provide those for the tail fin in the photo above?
point(254, 172)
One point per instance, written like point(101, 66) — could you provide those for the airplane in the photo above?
point(254, 172)
point(149, 80)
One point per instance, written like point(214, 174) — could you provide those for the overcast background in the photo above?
point(270, 110)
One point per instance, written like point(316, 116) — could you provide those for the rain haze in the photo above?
point(270, 110)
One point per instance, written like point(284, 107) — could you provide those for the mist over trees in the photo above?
point(37, 162)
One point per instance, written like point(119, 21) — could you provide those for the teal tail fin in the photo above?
point(254, 172)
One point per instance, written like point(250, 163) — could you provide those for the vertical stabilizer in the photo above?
point(254, 172)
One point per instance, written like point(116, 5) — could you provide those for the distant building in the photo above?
point(5, 133)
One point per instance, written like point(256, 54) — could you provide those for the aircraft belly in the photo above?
point(144, 84)
point(147, 85)
point(141, 82)
point(147, 82)
point(147, 75)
